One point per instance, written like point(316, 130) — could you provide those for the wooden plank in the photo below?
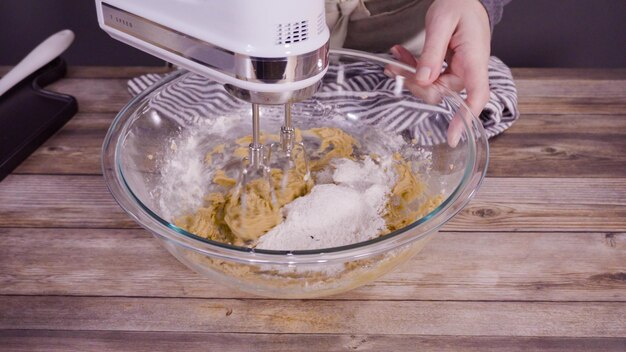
point(95, 95)
point(573, 88)
point(525, 73)
point(571, 96)
point(572, 106)
point(106, 71)
point(493, 216)
point(488, 267)
point(534, 73)
point(576, 96)
point(118, 341)
point(126, 72)
point(572, 91)
point(547, 124)
point(579, 191)
point(567, 319)
point(536, 146)
point(506, 204)
point(519, 73)
point(577, 154)
point(59, 201)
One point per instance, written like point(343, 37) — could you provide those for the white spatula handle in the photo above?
point(37, 58)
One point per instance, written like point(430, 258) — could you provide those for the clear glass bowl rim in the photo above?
point(472, 179)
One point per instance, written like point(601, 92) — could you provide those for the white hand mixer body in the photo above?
point(258, 46)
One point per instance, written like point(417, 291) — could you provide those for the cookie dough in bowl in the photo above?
point(375, 183)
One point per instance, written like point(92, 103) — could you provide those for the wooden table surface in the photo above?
point(537, 261)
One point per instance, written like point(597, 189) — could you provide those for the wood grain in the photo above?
point(520, 73)
point(120, 341)
point(565, 74)
point(540, 91)
point(488, 267)
point(536, 146)
point(59, 201)
point(491, 216)
point(571, 91)
point(568, 319)
point(570, 146)
point(106, 71)
point(550, 124)
point(506, 204)
point(549, 155)
point(95, 95)
point(571, 106)
point(126, 72)
point(575, 96)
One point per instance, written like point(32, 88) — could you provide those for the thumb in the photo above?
point(439, 30)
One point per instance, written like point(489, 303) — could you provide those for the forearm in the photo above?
point(494, 10)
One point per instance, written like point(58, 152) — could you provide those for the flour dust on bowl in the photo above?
point(372, 180)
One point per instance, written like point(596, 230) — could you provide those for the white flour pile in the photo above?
point(348, 210)
point(184, 179)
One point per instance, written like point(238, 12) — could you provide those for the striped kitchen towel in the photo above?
point(197, 96)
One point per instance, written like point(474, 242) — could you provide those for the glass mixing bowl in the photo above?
point(185, 115)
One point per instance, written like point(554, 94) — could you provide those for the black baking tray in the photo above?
point(29, 115)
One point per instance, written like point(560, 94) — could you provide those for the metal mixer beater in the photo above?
point(286, 155)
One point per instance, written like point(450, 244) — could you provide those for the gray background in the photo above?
point(533, 33)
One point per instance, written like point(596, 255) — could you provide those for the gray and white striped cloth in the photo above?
point(197, 96)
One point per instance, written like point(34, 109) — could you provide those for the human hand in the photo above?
point(457, 31)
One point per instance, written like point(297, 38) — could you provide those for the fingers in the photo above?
point(451, 81)
point(457, 127)
point(428, 94)
point(439, 30)
point(476, 79)
point(403, 55)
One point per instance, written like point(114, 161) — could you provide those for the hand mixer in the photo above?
point(263, 51)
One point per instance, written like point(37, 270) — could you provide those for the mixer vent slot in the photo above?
point(321, 23)
point(293, 32)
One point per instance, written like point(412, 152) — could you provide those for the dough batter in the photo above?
point(225, 219)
